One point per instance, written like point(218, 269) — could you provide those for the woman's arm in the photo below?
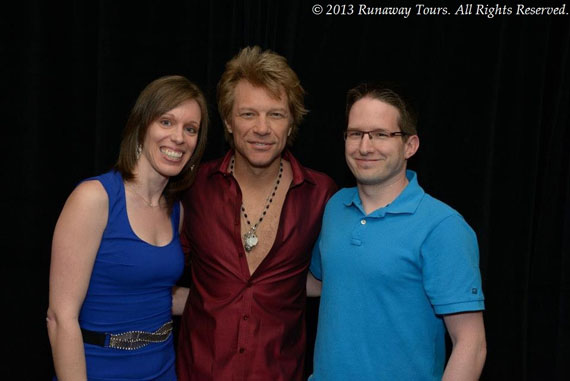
point(75, 243)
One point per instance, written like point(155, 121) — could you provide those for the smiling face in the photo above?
point(259, 125)
point(170, 140)
point(378, 162)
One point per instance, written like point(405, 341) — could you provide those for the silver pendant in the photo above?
point(250, 240)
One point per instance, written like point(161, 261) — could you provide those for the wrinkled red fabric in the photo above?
point(238, 326)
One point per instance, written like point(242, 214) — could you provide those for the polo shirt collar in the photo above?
point(406, 203)
point(300, 173)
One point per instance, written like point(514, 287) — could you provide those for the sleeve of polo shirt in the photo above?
point(315, 267)
point(452, 279)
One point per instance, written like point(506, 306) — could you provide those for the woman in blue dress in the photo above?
point(116, 253)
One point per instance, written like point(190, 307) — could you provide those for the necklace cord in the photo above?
point(250, 238)
point(148, 203)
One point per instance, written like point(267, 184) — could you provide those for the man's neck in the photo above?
point(245, 173)
point(376, 196)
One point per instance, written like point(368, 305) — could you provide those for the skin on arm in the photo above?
point(181, 218)
point(313, 285)
point(76, 239)
point(179, 297)
point(179, 294)
point(467, 333)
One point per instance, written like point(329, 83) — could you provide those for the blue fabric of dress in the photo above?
point(130, 289)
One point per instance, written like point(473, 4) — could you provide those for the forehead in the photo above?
point(189, 109)
point(373, 112)
point(248, 95)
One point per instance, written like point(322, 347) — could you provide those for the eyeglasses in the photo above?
point(376, 135)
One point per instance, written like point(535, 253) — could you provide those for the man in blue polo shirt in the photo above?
point(397, 266)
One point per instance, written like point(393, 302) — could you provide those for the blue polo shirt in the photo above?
point(388, 277)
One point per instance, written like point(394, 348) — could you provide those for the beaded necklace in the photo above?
point(250, 238)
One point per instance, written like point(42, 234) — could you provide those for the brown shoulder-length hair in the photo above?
point(266, 69)
point(157, 98)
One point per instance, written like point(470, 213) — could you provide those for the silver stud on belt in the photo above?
point(131, 340)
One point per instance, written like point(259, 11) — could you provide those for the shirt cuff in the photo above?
point(316, 274)
point(451, 308)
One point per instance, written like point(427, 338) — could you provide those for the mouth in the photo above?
point(261, 144)
point(171, 154)
point(365, 160)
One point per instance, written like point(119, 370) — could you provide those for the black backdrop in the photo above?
point(492, 96)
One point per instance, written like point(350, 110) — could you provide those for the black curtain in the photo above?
point(492, 94)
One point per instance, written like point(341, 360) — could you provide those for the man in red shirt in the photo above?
point(251, 220)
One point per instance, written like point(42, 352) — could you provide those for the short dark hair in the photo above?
point(157, 98)
point(407, 118)
point(266, 69)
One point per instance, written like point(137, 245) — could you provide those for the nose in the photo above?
point(366, 144)
point(177, 135)
point(262, 125)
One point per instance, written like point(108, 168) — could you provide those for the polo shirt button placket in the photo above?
point(358, 231)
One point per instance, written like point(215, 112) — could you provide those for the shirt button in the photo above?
point(363, 222)
point(245, 317)
point(241, 350)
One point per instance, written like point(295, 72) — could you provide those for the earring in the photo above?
point(289, 133)
point(139, 151)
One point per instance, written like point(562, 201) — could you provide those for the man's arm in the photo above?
point(179, 293)
point(179, 297)
point(467, 334)
point(313, 285)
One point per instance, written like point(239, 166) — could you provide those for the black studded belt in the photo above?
point(129, 340)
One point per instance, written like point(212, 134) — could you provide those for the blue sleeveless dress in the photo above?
point(130, 289)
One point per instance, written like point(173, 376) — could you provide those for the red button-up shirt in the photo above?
point(238, 326)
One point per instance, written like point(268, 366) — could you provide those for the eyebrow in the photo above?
point(349, 128)
point(255, 109)
point(172, 116)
